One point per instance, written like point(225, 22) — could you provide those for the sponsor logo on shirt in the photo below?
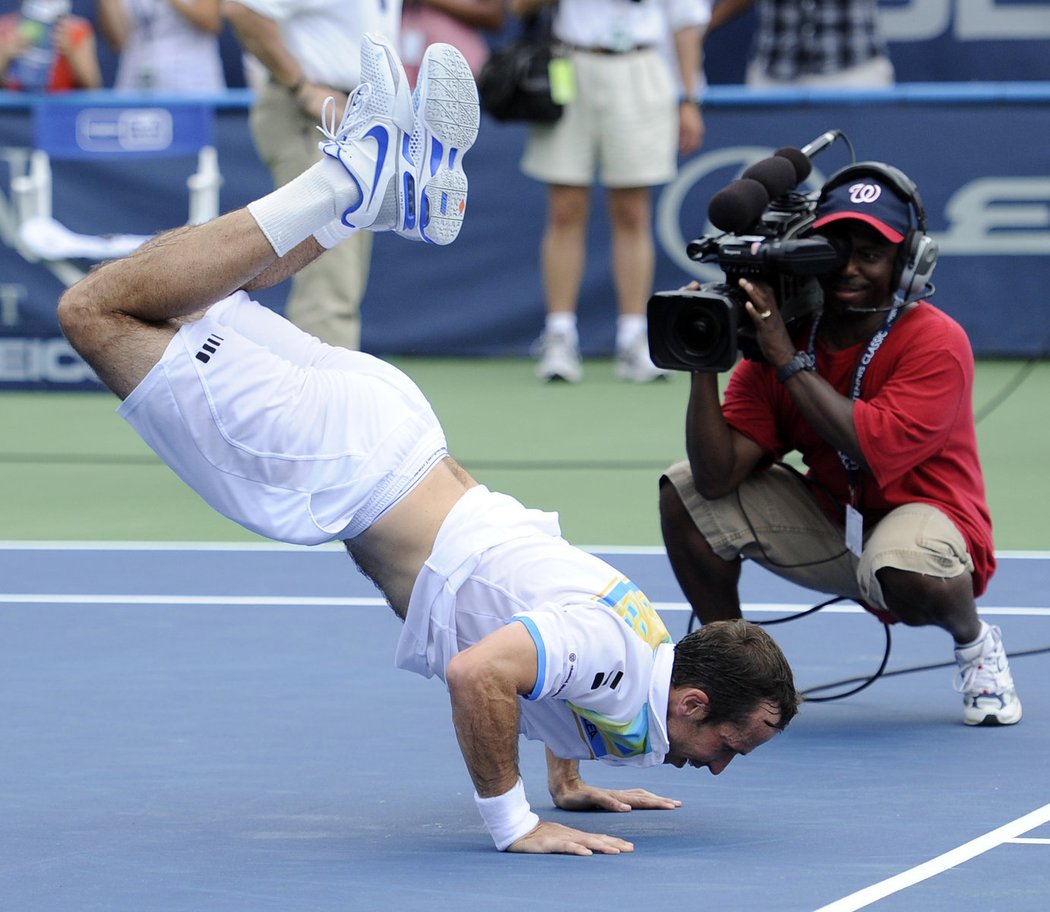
point(631, 604)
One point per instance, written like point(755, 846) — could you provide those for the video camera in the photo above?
point(762, 217)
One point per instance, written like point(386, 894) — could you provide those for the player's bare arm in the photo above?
point(484, 682)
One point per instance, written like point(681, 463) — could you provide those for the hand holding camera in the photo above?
point(763, 217)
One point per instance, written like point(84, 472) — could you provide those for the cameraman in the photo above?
point(875, 393)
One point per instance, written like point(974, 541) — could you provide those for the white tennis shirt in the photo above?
point(605, 657)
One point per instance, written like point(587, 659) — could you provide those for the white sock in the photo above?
point(333, 233)
point(562, 324)
point(629, 328)
point(317, 197)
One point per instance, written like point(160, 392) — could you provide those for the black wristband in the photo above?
point(803, 361)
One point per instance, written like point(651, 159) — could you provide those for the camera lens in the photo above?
point(699, 332)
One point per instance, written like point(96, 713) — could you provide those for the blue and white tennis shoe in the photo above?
point(404, 151)
point(368, 139)
point(446, 123)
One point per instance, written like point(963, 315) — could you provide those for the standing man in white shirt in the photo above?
point(310, 50)
point(624, 127)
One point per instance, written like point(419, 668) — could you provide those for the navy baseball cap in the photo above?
point(869, 200)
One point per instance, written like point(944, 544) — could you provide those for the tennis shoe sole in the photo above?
point(447, 117)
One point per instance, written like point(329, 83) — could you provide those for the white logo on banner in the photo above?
point(41, 360)
point(989, 216)
point(965, 20)
point(125, 130)
point(1001, 216)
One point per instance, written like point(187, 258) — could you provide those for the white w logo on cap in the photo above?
point(864, 193)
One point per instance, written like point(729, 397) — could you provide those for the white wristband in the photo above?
point(508, 816)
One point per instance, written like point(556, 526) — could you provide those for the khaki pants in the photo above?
point(325, 297)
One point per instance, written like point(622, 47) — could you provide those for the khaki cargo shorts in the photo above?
point(774, 520)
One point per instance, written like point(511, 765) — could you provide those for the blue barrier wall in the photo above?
point(977, 152)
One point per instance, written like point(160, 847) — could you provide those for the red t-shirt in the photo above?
point(914, 420)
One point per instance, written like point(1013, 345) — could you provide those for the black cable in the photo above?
point(880, 672)
point(781, 620)
point(865, 682)
point(912, 669)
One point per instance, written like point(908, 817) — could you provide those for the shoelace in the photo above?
point(982, 674)
point(353, 114)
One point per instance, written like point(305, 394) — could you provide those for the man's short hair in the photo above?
point(740, 667)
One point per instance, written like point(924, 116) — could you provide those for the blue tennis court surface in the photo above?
point(223, 729)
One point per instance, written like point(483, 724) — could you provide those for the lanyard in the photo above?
point(874, 344)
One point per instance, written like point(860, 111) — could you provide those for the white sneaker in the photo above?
point(369, 137)
point(984, 680)
point(559, 358)
point(634, 364)
point(381, 68)
point(447, 116)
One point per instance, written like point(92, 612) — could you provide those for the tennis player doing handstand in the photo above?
point(306, 443)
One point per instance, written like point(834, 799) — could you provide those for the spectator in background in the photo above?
point(308, 50)
point(456, 22)
point(669, 49)
point(43, 48)
point(814, 43)
point(625, 122)
point(164, 45)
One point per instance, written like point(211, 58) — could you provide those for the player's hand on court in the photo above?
point(555, 839)
point(584, 797)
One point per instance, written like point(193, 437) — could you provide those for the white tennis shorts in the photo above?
point(291, 438)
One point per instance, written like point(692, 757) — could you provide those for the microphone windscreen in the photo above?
point(777, 175)
point(799, 161)
point(738, 205)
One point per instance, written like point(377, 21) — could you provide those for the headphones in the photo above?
point(918, 251)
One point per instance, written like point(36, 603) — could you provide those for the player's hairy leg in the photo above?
point(122, 315)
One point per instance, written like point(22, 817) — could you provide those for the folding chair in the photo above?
point(107, 131)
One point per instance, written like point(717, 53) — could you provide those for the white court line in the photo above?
point(74, 598)
point(851, 608)
point(941, 863)
point(265, 545)
point(290, 600)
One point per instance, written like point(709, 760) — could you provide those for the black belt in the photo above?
point(609, 52)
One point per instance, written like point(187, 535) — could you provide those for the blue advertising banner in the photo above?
point(977, 153)
point(929, 41)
